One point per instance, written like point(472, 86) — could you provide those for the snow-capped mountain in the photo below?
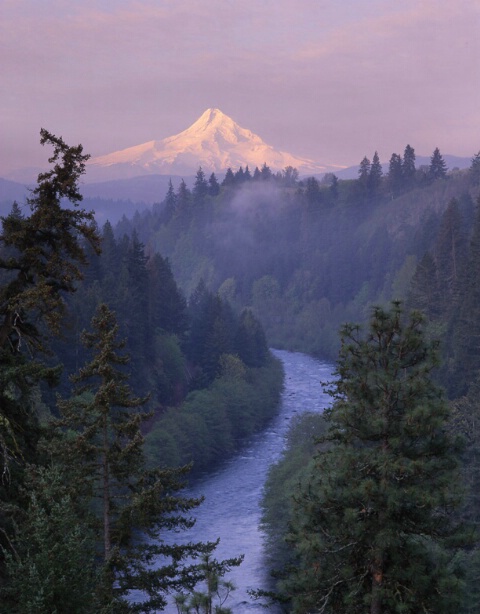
point(215, 142)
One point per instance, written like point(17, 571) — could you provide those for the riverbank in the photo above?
point(232, 507)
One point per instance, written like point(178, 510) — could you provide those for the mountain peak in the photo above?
point(211, 115)
point(214, 141)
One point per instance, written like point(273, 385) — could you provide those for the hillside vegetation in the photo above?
point(99, 351)
point(129, 352)
point(309, 256)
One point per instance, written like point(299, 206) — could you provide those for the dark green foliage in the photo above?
point(213, 423)
point(168, 307)
point(475, 168)
point(216, 590)
point(265, 172)
point(373, 521)
point(213, 185)
point(290, 177)
point(51, 564)
point(41, 259)
point(466, 414)
point(363, 177)
point(42, 253)
point(303, 270)
point(170, 203)
point(312, 192)
point(200, 189)
point(449, 254)
point(229, 178)
point(183, 208)
point(425, 292)
point(333, 189)
point(438, 167)
point(408, 167)
point(466, 322)
point(105, 447)
point(69, 541)
point(395, 175)
point(250, 341)
point(375, 176)
point(282, 483)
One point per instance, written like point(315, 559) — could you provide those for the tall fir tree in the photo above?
point(438, 166)
point(363, 175)
point(104, 448)
point(408, 167)
point(170, 203)
point(374, 520)
point(375, 176)
point(475, 168)
point(395, 175)
point(200, 188)
point(213, 186)
point(42, 256)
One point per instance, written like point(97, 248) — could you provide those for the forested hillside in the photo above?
point(307, 256)
point(101, 352)
point(131, 350)
point(437, 272)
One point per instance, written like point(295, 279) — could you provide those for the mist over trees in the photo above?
point(308, 255)
point(78, 481)
point(166, 338)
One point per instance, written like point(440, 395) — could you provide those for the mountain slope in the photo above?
point(215, 142)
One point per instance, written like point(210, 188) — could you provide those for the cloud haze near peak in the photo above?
point(317, 78)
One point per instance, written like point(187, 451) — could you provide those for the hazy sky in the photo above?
point(332, 80)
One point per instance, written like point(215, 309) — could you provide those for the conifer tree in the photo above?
point(373, 521)
point(200, 188)
point(364, 170)
point(475, 168)
point(42, 253)
point(213, 185)
point(104, 448)
point(363, 177)
point(425, 293)
point(333, 189)
point(229, 178)
point(51, 566)
point(265, 172)
point(312, 192)
point(42, 256)
point(239, 176)
point(375, 176)
point(466, 325)
point(250, 342)
point(167, 309)
point(395, 175)
point(449, 254)
point(183, 207)
point(438, 167)
point(408, 166)
point(170, 202)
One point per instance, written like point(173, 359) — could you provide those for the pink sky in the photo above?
point(326, 79)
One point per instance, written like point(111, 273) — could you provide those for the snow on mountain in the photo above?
point(215, 142)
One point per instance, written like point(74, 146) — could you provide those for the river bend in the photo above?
point(231, 510)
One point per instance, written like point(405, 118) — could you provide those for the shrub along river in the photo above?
point(231, 510)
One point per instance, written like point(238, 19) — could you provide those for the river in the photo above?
point(231, 510)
